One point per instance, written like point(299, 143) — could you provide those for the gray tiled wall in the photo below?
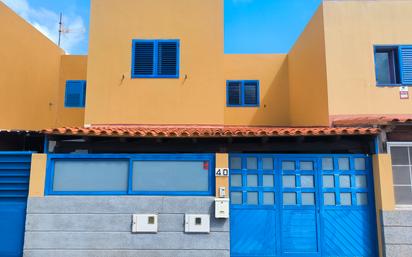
point(100, 226)
point(397, 230)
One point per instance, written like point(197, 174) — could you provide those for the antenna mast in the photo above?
point(60, 28)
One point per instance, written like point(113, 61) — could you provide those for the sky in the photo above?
point(251, 26)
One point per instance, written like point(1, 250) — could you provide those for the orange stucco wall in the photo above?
point(272, 72)
point(352, 28)
point(197, 97)
point(307, 76)
point(29, 74)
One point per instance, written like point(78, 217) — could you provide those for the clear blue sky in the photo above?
point(251, 26)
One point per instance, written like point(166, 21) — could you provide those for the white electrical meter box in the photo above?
point(144, 223)
point(197, 223)
point(222, 208)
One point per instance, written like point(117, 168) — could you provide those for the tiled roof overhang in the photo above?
point(372, 120)
point(207, 131)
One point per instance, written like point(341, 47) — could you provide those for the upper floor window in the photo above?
point(75, 94)
point(155, 58)
point(393, 65)
point(242, 93)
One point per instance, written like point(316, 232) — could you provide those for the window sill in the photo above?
point(391, 85)
point(247, 106)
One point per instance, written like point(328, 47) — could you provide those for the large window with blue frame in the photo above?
point(140, 174)
point(155, 58)
point(393, 65)
point(242, 93)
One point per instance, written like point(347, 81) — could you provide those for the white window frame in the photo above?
point(394, 144)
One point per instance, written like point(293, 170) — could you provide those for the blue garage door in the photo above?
point(14, 184)
point(302, 205)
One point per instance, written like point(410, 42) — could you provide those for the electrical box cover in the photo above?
point(144, 223)
point(197, 223)
point(222, 208)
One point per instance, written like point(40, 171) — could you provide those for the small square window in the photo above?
point(328, 181)
point(289, 181)
point(236, 180)
point(268, 180)
point(361, 181)
point(267, 163)
point(307, 181)
point(399, 155)
point(234, 91)
point(252, 198)
point(268, 198)
point(343, 163)
point(360, 164)
point(236, 163)
point(289, 198)
point(75, 94)
point(251, 163)
point(327, 164)
point(329, 199)
point(387, 65)
point(236, 197)
point(344, 181)
point(252, 180)
point(401, 175)
point(243, 93)
point(308, 198)
point(288, 165)
point(306, 165)
point(361, 198)
point(345, 199)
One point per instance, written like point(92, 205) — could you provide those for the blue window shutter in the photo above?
point(406, 64)
point(251, 93)
point(234, 93)
point(167, 54)
point(75, 95)
point(143, 58)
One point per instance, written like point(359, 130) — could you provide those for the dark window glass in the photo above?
point(387, 65)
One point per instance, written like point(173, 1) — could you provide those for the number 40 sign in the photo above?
point(221, 172)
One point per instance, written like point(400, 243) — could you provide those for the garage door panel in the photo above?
point(250, 230)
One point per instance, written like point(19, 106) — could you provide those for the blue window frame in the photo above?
point(130, 174)
point(393, 65)
point(155, 58)
point(75, 94)
point(242, 93)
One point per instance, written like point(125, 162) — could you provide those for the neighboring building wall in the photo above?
point(29, 75)
point(352, 28)
point(307, 76)
point(272, 72)
point(115, 98)
point(97, 226)
point(72, 67)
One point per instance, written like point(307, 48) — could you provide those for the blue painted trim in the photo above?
point(46, 144)
point(131, 158)
point(155, 59)
point(82, 96)
point(376, 144)
point(242, 93)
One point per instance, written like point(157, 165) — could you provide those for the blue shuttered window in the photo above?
point(75, 94)
point(155, 59)
point(242, 93)
point(393, 65)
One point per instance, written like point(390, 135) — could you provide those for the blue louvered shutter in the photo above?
point(234, 93)
point(143, 58)
point(75, 95)
point(406, 64)
point(167, 54)
point(251, 93)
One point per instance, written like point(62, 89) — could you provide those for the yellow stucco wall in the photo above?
point(115, 99)
point(351, 30)
point(222, 161)
point(307, 76)
point(37, 175)
point(73, 67)
point(272, 72)
point(29, 74)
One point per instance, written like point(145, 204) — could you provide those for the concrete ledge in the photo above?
point(122, 253)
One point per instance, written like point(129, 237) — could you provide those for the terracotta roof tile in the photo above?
point(206, 131)
point(371, 120)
